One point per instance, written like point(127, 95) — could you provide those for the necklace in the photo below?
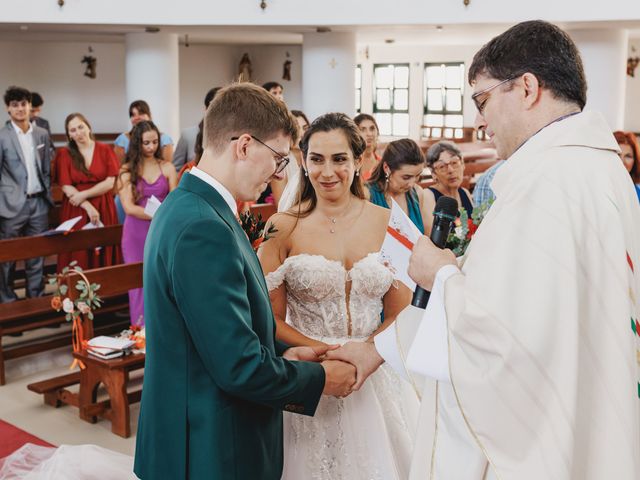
point(334, 220)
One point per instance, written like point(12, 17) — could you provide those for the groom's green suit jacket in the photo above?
point(215, 384)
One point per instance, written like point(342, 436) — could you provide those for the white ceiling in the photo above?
point(467, 34)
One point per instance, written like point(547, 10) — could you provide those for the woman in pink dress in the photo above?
point(144, 174)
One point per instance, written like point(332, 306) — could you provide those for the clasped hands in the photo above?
point(346, 367)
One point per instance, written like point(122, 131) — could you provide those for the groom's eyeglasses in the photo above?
point(282, 161)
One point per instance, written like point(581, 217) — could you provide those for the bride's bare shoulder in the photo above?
point(283, 224)
point(376, 214)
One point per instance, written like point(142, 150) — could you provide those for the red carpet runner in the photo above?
point(12, 438)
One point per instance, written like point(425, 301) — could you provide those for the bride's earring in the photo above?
point(357, 173)
point(386, 181)
point(306, 174)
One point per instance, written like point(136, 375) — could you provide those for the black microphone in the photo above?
point(444, 215)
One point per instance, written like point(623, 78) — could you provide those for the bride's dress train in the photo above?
point(368, 435)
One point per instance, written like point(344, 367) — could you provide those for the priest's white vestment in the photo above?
point(541, 323)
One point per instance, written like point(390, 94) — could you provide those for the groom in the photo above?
point(216, 380)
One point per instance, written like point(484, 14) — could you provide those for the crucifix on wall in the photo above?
point(333, 63)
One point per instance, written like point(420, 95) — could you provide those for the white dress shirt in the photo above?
point(29, 154)
point(221, 189)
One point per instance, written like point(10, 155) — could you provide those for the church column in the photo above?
point(328, 73)
point(604, 54)
point(152, 74)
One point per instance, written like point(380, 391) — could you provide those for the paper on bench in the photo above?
point(152, 206)
point(91, 226)
point(107, 345)
point(64, 227)
point(398, 243)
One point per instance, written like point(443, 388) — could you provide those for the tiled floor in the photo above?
point(58, 426)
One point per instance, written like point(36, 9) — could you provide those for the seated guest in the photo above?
point(275, 89)
point(138, 111)
point(447, 167)
point(25, 187)
point(396, 177)
point(369, 129)
point(86, 171)
point(630, 155)
point(185, 149)
point(143, 174)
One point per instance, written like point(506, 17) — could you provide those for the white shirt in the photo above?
point(221, 189)
point(29, 154)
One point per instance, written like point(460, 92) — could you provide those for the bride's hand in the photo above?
point(308, 354)
point(362, 355)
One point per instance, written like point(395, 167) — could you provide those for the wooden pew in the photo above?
point(32, 313)
point(264, 209)
point(113, 374)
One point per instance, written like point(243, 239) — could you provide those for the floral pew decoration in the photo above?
point(77, 308)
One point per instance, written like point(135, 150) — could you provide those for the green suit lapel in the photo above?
point(213, 198)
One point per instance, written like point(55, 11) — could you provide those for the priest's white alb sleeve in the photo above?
point(428, 354)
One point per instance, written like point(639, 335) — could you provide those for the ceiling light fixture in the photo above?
point(323, 29)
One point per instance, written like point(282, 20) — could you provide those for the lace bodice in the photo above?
point(317, 295)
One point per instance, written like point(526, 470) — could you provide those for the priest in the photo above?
point(531, 340)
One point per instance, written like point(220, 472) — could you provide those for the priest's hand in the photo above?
point(339, 378)
point(362, 355)
point(426, 260)
point(308, 354)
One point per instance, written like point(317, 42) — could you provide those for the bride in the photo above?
point(326, 281)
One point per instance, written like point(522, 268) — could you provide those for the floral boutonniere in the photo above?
point(255, 229)
point(465, 228)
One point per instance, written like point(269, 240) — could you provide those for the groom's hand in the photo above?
point(339, 378)
point(308, 354)
point(362, 355)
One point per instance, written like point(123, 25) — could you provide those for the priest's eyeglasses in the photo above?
point(282, 161)
point(480, 98)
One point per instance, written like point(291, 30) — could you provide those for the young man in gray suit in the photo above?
point(25, 186)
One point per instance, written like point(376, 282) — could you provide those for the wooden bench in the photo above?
point(264, 209)
point(32, 313)
point(113, 374)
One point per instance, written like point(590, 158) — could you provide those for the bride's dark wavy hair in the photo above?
point(328, 123)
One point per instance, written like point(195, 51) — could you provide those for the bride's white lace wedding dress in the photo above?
point(368, 435)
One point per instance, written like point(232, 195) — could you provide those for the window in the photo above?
point(358, 88)
point(391, 98)
point(443, 90)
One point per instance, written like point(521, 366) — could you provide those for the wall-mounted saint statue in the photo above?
point(286, 73)
point(91, 63)
point(244, 69)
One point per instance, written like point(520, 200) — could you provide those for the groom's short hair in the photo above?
point(246, 108)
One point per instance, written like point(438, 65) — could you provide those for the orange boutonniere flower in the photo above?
point(256, 229)
point(56, 303)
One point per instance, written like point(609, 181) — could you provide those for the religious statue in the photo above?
point(244, 69)
point(286, 74)
point(632, 63)
point(90, 65)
